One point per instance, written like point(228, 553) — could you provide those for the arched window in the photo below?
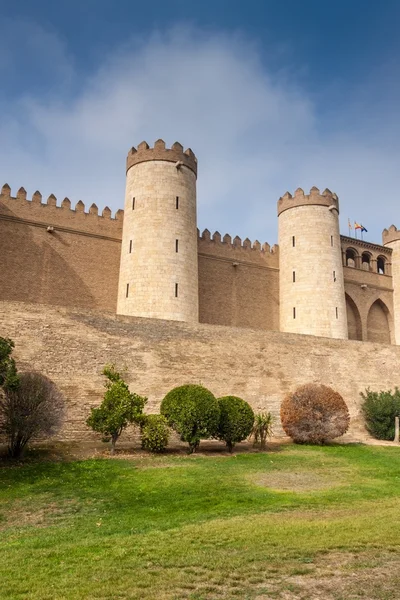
point(351, 256)
point(366, 261)
point(381, 265)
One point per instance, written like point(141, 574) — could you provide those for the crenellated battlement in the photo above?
point(237, 249)
point(47, 212)
point(175, 154)
point(315, 197)
point(390, 235)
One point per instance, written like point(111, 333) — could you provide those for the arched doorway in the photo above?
point(378, 324)
point(353, 320)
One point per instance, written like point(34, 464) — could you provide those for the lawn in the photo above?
point(300, 522)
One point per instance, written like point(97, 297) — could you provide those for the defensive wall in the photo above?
point(64, 256)
point(72, 346)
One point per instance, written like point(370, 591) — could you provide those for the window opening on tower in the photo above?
point(293, 241)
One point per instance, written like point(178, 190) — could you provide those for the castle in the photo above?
point(146, 291)
point(150, 261)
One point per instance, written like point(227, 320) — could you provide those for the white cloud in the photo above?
point(255, 134)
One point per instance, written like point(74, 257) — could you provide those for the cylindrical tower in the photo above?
point(158, 273)
point(391, 239)
point(311, 284)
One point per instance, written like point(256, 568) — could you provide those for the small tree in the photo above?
point(9, 379)
point(193, 412)
point(155, 433)
point(119, 408)
point(379, 410)
point(314, 414)
point(34, 408)
point(236, 420)
point(262, 429)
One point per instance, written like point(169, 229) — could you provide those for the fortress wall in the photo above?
point(238, 283)
point(378, 288)
point(71, 347)
point(75, 265)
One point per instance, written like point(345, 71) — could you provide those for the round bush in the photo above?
point(155, 433)
point(314, 414)
point(236, 420)
point(193, 412)
point(379, 410)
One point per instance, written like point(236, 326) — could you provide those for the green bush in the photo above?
point(119, 408)
point(155, 433)
point(236, 420)
point(379, 410)
point(262, 429)
point(193, 412)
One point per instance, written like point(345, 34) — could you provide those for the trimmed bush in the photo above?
point(379, 410)
point(193, 412)
point(314, 414)
point(155, 433)
point(236, 420)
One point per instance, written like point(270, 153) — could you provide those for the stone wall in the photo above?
point(72, 346)
point(76, 263)
point(238, 282)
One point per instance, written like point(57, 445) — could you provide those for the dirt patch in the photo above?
point(289, 481)
point(366, 575)
point(42, 514)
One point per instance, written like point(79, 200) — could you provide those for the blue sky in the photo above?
point(270, 96)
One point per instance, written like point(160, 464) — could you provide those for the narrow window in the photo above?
point(176, 245)
point(177, 202)
point(331, 240)
point(293, 241)
point(294, 312)
point(127, 290)
point(337, 316)
point(294, 276)
point(176, 290)
point(133, 203)
point(334, 275)
point(130, 246)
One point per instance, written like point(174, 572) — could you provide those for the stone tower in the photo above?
point(158, 273)
point(391, 239)
point(311, 284)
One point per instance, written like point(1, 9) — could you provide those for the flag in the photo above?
point(350, 225)
point(360, 226)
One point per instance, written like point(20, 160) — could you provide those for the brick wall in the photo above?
point(75, 265)
point(72, 346)
point(238, 282)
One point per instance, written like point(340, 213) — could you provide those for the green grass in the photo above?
point(203, 527)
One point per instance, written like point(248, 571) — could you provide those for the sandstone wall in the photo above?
point(71, 347)
point(238, 282)
point(76, 264)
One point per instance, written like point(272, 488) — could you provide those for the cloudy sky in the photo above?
point(270, 95)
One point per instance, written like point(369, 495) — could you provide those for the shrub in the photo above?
point(119, 408)
point(262, 428)
point(236, 420)
point(34, 408)
point(155, 433)
point(8, 371)
point(193, 412)
point(314, 414)
point(379, 410)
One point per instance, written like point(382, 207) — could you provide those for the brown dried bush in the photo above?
point(314, 414)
